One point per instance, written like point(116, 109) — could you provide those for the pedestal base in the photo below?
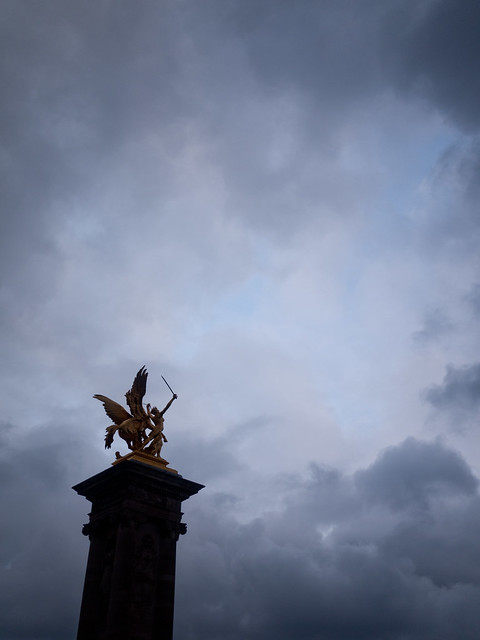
point(146, 458)
point(134, 526)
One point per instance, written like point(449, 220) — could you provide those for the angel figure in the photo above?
point(131, 427)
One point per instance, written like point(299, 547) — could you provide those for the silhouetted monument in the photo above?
point(134, 526)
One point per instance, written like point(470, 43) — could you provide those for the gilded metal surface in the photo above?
point(142, 429)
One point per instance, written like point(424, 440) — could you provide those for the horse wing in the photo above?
point(135, 396)
point(113, 410)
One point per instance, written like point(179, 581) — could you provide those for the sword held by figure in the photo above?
point(132, 427)
point(156, 438)
point(173, 392)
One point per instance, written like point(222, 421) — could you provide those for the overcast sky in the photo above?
point(275, 205)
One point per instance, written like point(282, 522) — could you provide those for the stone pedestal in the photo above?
point(134, 526)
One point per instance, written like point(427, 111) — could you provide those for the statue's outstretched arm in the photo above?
point(169, 404)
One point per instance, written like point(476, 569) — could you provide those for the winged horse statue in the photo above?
point(132, 427)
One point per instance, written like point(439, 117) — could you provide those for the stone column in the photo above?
point(134, 526)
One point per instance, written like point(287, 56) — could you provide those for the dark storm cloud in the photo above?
point(124, 124)
point(435, 54)
point(66, 68)
point(82, 81)
point(305, 67)
point(339, 52)
point(91, 86)
point(314, 67)
point(92, 118)
point(410, 474)
point(89, 93)
point(43, 555)
point(326, 50)
point(386, 554)
point(458, 396)
point(215, 457)
point(391, 552)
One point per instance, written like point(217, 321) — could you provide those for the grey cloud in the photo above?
point(411, 474)
point(299, 48)
point(83, 85)
point(43, 553)
point(473, 299)
point(436, 56)
point(147, 151)
point(449, 223)
point(317, 65)
point(436, 325)
point(383, 574)
point(388, 553)
point(133, 89)
point(458, 396)
point(459, 167)
point(209, 457)
point(340, 52)
point(441, 544)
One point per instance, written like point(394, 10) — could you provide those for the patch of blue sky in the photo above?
point(235, 310)
point(241, 303)
point(390, 223)
point(418, 164)
point(349, 382)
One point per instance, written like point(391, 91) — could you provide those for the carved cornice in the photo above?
point(105, 527)
point(132, 494)
point(116, 482)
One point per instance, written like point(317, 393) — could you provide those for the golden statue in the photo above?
point(133, 427)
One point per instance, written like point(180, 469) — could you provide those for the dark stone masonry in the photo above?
point(134, 526)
